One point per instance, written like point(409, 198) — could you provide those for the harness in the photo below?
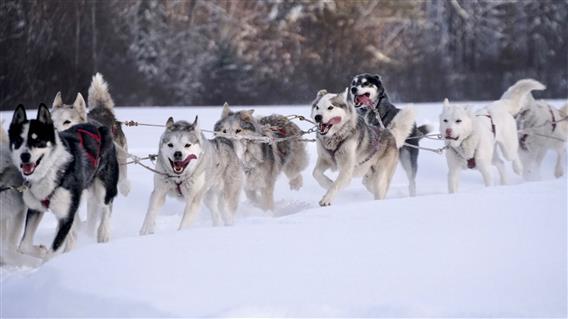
point(92, 156)
point(492, 124)
point(553, 118)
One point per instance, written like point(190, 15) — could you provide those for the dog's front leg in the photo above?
point(346, 167)
point(318, 173)
point(157, 200)
point(33, 219)
point(191, 207)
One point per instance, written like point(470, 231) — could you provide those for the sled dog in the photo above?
point(368, 95)
point(347, 143)
point(101, 112)
point(193, 168)
point(542, 127)
point(263, 162)
point(57, 167)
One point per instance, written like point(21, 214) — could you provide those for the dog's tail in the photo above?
point(517, 92)
point(402, 124)
point(98, 93)
point(424, 130)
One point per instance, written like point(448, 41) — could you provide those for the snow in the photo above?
point(498, 251)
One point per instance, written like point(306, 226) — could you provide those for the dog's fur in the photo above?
point(346, 142)
point(13, 210)
point(196, 168)
point(542, 128)
point(473, 138)
point(100, 112)
point(263, 162)
point(368, 95)
point(57, 168)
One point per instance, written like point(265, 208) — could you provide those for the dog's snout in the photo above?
point(178, 155)
point(448, 132)
point(353, 90)
point(317, 118)
point(25, 157)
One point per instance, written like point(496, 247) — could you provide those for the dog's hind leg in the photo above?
point(385, 172)
point(409, 160)
point(92, 212)
point(33, 218)
point(267, 193)
point(560, 161)
point(103, 233)
point(157, 200)
point(498, 162)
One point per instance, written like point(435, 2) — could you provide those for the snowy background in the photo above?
point(258, 52)
point(483, 252)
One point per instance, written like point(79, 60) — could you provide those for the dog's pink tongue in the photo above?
point(334, 120)
point(363, 99)
point(28, 168)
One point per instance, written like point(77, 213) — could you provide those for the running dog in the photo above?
point(368, 95)
point(190, 168)
point(263, 162)
point(101, 113)
point(345, 142)
point(542, 127)
point(57, 167)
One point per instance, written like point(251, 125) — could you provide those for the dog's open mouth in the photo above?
point(29, 168)
point(363, 99)
point(179, 166)
point(325, 127)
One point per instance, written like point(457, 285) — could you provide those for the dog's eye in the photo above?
point(225, 131)
point(170, 145)
point(317, 108)
point(187, 145)
point(330, 107)
point(238, 131)
point(458, 121)
point(445, 121)
point(67, 122)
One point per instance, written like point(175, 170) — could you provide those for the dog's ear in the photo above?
point(376, 78)
point(321, 93)
point(19, 116)
point(447, 104)
point(170, 123)
point(58, 101)
point(80, 104)
point(43, 114)
point(196, 121)
point(226, 111)
point(247, 115)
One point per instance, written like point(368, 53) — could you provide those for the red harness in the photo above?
point(93, 158)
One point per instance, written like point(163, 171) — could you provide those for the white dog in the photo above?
point(542, 127)
point(472, 140)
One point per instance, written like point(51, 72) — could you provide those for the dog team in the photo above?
point(78, 150)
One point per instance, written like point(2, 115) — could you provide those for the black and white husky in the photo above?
point(367, 94)
point(57, 167)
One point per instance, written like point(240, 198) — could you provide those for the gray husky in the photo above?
point(57, 168)
point(192, 168)
point(12, 210)
point(346, 142)
point(101, 113)
point(263, 162)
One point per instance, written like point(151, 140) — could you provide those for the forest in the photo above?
point(259, 52)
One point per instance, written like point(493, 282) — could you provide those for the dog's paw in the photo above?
point(146, 230)
point(325, 201)
point(124, 187)
point(296, 183)
point(103, 236)
point(34, 251)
